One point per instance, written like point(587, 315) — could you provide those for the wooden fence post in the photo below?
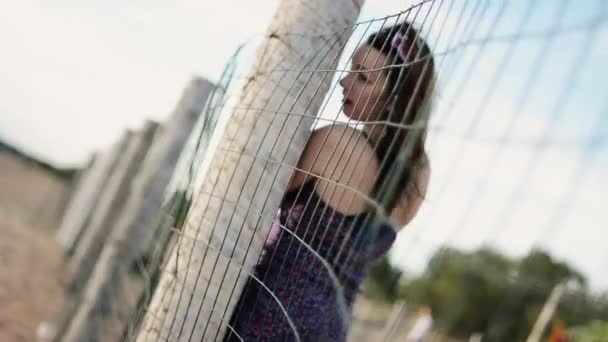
point(232, 213)
point(84, 199)
point(110, 205)
point(139, 211)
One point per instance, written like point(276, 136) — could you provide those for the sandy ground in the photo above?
point(30, 194)
point(30, 280)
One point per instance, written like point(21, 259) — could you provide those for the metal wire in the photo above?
point(341, 183)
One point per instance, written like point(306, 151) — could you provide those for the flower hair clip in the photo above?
point(399, 42)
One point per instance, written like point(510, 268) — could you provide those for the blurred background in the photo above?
point(514, 221)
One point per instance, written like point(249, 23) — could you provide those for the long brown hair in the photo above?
point(410, 83)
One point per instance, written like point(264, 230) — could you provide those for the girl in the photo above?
point(348, 192)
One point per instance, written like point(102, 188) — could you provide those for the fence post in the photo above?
point(232, 212)
point(144, 201)
point(84, 199)
point(548, 310)
point(109, 207)
point(75, 183)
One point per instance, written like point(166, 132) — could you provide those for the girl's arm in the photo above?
point(407, 208)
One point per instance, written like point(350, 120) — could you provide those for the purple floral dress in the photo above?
point(317, 301)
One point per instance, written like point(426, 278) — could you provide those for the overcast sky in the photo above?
point(518, 170)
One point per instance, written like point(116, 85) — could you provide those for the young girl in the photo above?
point(338, 214)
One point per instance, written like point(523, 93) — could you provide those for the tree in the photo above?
point(453, 280)
point(382, 283)
point(485, 291)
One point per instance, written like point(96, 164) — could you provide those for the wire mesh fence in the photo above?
point(309, 162)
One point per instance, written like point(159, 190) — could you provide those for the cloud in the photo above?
point(73, 77)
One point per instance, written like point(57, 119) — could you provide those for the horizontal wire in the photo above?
point(362, 195)
point(504, 38)
point(249, 273)
point(503, 141)
point(154, 315)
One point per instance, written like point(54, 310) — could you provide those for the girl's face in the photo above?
point(364, 87)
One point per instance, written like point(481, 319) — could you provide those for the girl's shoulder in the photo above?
point(345, 166)
point(344, 147)
point(341, 138)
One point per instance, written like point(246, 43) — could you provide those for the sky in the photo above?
point(517, 140)
point(530, 171)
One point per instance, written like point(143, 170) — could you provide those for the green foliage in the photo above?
point(382, 282)
point(595, 331)
point(485, 291)
point(171, 216)
point(182, 203)
point(582, 307)
point(454, 281)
